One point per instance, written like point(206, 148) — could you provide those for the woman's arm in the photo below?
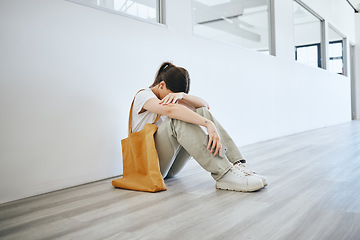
point(180, 112)
point(195, 101)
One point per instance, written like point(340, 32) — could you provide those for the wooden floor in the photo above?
point(313, 193)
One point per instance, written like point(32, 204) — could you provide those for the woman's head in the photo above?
point(176, 78)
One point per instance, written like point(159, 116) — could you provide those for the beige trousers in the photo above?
point(176, 141)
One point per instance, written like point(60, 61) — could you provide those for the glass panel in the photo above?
point(308, 55)
point(336, 66)
point(307, 32)
point(335, 49)
point(240, 22)
point(145, 9)
point(336, 59)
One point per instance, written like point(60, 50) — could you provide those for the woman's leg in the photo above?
point(174, 134)
point(176, 140)
point(233, 154)
point(167, 147)
point(181, 159)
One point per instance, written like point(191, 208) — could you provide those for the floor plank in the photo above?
point(313, 193)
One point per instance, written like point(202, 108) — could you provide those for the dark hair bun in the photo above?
point(165, 66)
point(176, 78)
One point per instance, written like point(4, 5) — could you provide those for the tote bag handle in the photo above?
point(130, 114)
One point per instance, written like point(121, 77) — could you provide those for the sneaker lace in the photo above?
point(242, 167)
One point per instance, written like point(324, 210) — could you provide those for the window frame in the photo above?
point(271, 31)
point(160, 11)
point(318, 47)
point(344, 40)
point(341, 57)
point(322, 44)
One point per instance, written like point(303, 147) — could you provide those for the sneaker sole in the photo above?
point(230, 187)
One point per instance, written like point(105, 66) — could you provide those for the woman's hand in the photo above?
point(171, 98)
point(214, 144)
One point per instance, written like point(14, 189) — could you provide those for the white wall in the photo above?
point(68, 74)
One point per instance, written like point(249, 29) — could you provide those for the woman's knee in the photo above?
point(202, 111)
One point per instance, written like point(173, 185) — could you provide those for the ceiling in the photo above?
point(244, 22)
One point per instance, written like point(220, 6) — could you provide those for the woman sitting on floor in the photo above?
point(180, 135)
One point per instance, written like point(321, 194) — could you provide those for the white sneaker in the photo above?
point(241, 166)
point(238, 180)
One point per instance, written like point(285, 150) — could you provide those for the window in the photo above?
point(149, 10)
point(309, 54)
point(307, 36)
point(240, 22)
point(336, 58)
